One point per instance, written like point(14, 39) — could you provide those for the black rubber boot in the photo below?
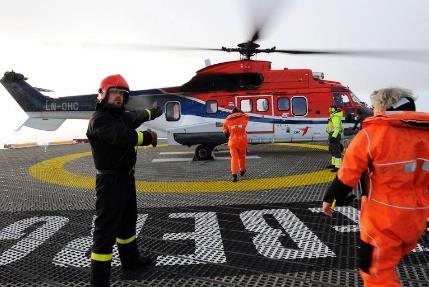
point(243, 172)
point(140, 263)
point(234, 178)
point(131, 258)
point(100, 273)
point(330, 166)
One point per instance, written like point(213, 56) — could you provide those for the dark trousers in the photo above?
point(116, 210)
point(335, 146)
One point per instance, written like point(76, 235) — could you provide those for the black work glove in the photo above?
point(155, 112)
point(154, 137)
point(342, 193)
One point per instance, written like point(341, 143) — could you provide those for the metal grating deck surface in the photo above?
point(265, 230)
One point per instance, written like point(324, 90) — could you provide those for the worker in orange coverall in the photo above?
point(393, 147)
point(234, 129)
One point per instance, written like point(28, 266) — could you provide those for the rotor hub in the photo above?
point(248, 49)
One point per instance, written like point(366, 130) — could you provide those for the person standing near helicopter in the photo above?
point(234, 130)
point(113, 138)
point(392, 150)
point(334, 130)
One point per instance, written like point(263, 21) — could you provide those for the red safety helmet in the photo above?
point(116, 82)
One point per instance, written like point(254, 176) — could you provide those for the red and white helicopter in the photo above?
point(288, 105)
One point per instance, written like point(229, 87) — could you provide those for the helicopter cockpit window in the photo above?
point(356, 99)
point(172, 111)
point(299, 106)
point(211, 107)
point(262, 105)
point(283, 104)
point(246, 105)
point(341, 100)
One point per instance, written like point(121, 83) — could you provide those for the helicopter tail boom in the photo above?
point(44, 112)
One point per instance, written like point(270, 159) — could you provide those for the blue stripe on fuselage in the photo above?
point(195, 108)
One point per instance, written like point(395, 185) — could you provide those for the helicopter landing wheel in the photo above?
point(203, 152)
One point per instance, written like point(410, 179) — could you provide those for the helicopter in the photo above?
point(289, 105)
point(285, 105)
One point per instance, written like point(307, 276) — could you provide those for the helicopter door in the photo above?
point(302, 130)
point(260, 110)
point(283, 129)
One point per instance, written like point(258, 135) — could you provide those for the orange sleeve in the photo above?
point(356, 159)
point(225, 126)
point(247, 118)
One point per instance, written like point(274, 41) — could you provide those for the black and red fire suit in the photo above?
point(113, 138)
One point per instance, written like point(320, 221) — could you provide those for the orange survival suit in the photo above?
point(235, 128)
point(394, 150)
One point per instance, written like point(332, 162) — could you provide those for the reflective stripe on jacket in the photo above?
point(335, 125)
point(112, 135)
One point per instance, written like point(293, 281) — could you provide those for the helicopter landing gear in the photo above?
point(203, 152)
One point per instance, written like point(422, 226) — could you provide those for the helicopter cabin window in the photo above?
point(341, 100)
point(283, 104)
point(211, 107)
point(299, 106)
point(262, 105)
point(246, 105)
point(172, 111)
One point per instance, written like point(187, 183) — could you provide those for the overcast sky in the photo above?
point(41, 40)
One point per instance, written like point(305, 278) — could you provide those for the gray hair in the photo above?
point(385, 98)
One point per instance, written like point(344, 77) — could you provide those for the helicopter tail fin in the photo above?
point(28, 97)
point(46, 113)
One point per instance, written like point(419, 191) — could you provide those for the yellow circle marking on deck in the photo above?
point(313, 146)
point(53, 171)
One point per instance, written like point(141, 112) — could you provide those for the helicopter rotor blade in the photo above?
point(139, 47)
point(413, 55)
point(262, 15)
point(255, 36)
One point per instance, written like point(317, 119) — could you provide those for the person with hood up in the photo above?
point(334, 129)
point(234, 130)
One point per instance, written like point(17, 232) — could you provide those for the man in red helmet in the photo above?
point(113, 138)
